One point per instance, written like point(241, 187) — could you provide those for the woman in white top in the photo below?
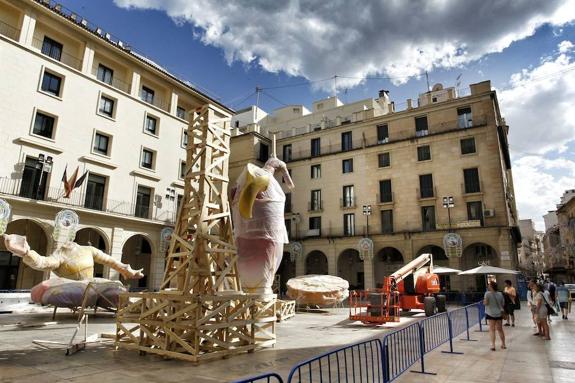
point(541, 311)
point(493, 302)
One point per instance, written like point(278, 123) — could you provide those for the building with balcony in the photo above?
point(75, 96)
point(530, 251)
point(397, 166)
point(559, 241)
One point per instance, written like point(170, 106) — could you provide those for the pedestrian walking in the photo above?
point(510, 295)
point(494, 313)
point(563, 298)
point(531, 301)
point(542, 308)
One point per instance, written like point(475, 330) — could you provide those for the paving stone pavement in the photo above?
point(527, 359)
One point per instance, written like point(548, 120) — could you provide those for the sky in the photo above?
point(295, 49)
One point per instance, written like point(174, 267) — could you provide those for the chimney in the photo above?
point(383, 93)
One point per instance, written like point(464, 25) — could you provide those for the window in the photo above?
point(151, 125)
point(179, 202)
point(101, 144)
point(315, 171)
point(347, 166)
point(147, 95)
point(382, 134)
point(385, 194)
point(147, 159)
point(182, 169)
point(349, 224)
point(289, 172)
point(264, 152)
point(471, 178)
point(52, 48)
point(287, 222)
point(34, 179)
point(315, 200)
point(387, 221)
point(287, 206)
point(423, 153)
point(348, 199)
point(286, 150)
point(346, 142)
point(315, 225)
point(105, 74)
point(421, 126)
point(143, 199)
point(43, 125)
point(464, 118)
point(185, 138)
point(383, 160)
point(315, 147)
point(95, 189)
point(475, 211)
point(181, 112)
point(426, 186)
point(467, 145)
point(51, 84)
point(106, 106)
point(428, 218)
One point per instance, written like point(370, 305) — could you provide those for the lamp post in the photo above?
point(448, 204)
point(43, 164)
point(367, 213)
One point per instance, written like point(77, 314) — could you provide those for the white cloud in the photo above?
point(536, 189)
point(355, 38)
point(565, 46)
point(538, 106)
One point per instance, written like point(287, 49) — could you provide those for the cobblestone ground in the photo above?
point(527, 358)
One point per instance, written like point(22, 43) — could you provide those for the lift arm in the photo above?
point(412, 267)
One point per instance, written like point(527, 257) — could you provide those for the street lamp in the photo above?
point(448, 204)
point(367, 213)
point(43, 164)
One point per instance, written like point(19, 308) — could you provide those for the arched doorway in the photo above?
point(386, 262)
point(316, 263)
point(14, 274)
point(286, 271)
point(474, 255)
point(439, 259)
point(350, 268)
point(92, 237)
point(137, 252)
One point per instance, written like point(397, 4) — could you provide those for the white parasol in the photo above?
point(486, 269)
point(445, 270)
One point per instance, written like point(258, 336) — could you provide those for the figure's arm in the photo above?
point(124, 269)
point(18, 246)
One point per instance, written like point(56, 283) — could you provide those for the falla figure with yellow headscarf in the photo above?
point(259, 227)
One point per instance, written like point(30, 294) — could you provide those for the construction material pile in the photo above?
point(320, 290)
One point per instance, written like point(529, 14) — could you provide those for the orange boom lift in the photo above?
point(414, 286)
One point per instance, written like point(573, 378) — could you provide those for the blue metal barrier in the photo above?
point(401, 350)
point(435, 331)
point(458, 321)
point(270, 377)
point(359, 362)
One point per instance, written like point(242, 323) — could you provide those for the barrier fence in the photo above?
point(385, 360)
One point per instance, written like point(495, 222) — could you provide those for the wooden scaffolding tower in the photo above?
point(200, 311)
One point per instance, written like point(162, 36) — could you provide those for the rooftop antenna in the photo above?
point(335, 85)
point(258, 90)
point(458, 81)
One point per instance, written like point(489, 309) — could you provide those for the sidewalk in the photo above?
point(527, 358)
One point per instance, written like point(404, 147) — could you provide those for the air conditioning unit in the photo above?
point(488, 213)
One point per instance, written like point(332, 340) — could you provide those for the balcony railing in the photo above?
point(385, 198)
point(315, 206)
point(116, 82)
point(428, 192)
point(78, 199)
point(472, 187)
point(324, 149)
point(157, 101)
point(65, 58)
point(9, 31)
point(347, 203)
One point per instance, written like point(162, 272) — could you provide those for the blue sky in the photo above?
point(524, 48)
